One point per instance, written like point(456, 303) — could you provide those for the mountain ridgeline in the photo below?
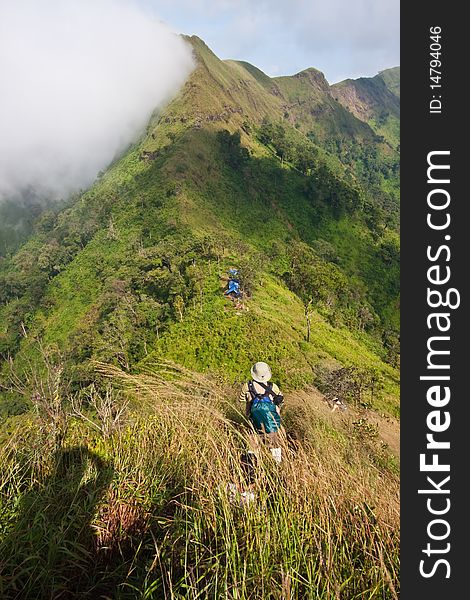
point(374, 100)
point(290, 180)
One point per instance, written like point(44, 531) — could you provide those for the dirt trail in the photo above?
point(388, 427)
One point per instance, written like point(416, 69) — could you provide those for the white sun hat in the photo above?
point(261, 372)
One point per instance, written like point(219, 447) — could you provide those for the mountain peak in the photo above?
point(374, 100)
point(391, 78)
point(315, 77)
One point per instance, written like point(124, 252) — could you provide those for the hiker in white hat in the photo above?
point(263, 401)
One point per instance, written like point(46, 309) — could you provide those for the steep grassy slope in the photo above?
point(375, 101)
point(242, 170)
point(391, 78)
point(151, 506)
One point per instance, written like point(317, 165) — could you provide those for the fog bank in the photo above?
point(80, 79)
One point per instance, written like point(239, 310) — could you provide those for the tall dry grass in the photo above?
point(147, 511)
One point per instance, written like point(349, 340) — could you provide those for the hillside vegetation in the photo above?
point(122, 357)
point(375, 101)
point(147, 509)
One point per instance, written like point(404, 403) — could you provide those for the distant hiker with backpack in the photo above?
point(233, 287)
point(263, 402)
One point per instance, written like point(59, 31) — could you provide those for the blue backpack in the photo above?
point(264, 396)
point(233, 287)
point(263, 414)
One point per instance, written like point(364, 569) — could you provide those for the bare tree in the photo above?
point(178, 305)
point(44, 384)
point(108, 406)
point(308, 316)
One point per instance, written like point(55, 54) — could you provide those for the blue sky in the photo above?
point(342, 38)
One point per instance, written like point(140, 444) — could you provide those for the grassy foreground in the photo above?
point(138, 506)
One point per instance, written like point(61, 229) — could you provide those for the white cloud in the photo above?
point(345, 38)
point(80, 79)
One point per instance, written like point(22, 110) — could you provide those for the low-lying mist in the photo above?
point(80, 79)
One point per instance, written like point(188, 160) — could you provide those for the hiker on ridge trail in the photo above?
point(233, 287)
point(263, 402)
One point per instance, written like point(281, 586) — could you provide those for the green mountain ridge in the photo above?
point(391, 78)
point(375, 101)
point(271, 175)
